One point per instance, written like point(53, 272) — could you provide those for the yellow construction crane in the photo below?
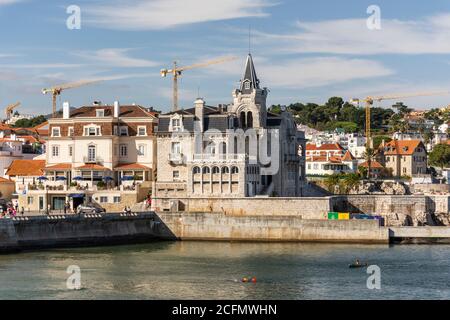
point(9, 109)
point(177, 71)
point(56, 90)
point(370, 100)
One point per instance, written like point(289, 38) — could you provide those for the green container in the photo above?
point(333, 216)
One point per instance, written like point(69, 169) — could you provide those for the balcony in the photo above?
point(92, 160)
point(176, 158)
point(220, 157)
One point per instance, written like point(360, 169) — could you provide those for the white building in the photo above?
point(104, 154)
point(208, 151)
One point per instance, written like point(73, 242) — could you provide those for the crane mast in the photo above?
point(56, 90)
point(177, 71)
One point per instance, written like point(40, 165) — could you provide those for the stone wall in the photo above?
point(219, 226)
point(41, 232)
point(306, 208)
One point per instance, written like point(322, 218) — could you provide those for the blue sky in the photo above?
point(303, 50)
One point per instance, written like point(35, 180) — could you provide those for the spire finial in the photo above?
point(249, 38)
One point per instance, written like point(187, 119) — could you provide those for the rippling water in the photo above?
point(210, 270)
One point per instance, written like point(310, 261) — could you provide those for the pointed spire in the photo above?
point(249, 76)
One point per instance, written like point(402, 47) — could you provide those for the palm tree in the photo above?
point(369, 155)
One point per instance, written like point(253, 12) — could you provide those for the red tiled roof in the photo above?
point(92, 166)
point(325, 146)
point(60, 166)
point(348, 156)
point(4, 180)
point(131, 166)
point(26, 168)
point(401, 147)
point(373, 164)
point(130, 111)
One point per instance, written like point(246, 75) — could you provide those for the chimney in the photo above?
point(199, 109)
point(66, 110)
point(116, 109)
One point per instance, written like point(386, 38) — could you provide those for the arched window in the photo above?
point(91, 153)
point(215, 170)
point(234, 170)
point(223, 147)
point(242, 122)
point(249, 119)
point(206, 170)
point(196, 170)
point(225, 170)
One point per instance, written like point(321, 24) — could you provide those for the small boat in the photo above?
point(354, 265)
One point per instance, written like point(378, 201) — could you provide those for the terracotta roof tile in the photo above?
point(373, 165)
point(325, 146)
point(401, 147)
point(59, 166)
point(92, 166)
point(131, 166)
point(26, 168)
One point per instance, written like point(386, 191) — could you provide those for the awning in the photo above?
point(76, 195)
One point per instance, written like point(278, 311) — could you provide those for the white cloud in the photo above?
point(163, 14)
point(6, 2)
point(40, 66)
point(116, 57)
point(306, 72)
point(351, 36)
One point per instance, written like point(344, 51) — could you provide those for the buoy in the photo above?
point(244, 279)
point(253, 279)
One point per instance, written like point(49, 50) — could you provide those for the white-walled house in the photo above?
point(100, 153)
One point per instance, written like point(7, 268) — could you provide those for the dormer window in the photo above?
point(123, 130)
point(176, 124)
point(92, 130)
point(100, 113)
point(56, 132)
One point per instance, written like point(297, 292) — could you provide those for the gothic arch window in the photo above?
point(196, 170)
point(249, 119)
point(225, 170)
point(223, 147)
point(215, 170)
point(234, 170)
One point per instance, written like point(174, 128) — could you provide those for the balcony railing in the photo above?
point(218, 157)
point(176, 158)
point(92, 159)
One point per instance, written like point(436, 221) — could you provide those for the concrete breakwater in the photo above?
point(219, 226)
point(45, 232)
point(66, 231)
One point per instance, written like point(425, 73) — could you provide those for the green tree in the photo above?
point(331, 181)
point(351, 181)
point(440, 156)
point(378, 139)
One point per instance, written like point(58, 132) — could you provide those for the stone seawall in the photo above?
point(306, 208)
point(43, 232)
point(219, 226)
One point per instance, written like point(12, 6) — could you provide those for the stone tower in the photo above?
point(249, 101)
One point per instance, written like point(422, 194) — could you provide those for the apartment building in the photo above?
point(100, 153)
point(404, 157)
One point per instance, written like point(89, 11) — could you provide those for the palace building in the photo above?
point(235, 150)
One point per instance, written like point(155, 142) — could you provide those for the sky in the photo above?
point(304, 51)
